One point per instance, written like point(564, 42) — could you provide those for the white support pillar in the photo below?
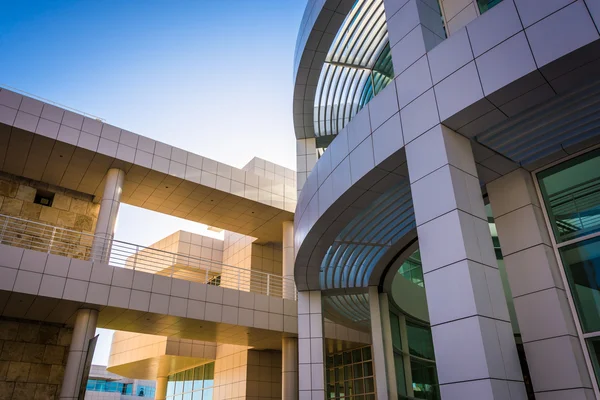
point(383, 352)
point(289, 289)
point(161, 388)
point(289, 368)
point(311, 353)
point(289, 345)
point(84, 330)
point(540, 298)
point(475, 351)
point(107, 216)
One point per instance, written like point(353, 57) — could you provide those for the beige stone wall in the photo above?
point(32, 359)
point(242, 374)
point(190, 263)
point(70, 210)
point(241, 251)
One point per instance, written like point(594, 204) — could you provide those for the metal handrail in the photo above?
point(80, 245)
point(54, 103)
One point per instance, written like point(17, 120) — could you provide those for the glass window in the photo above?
point(424, 380)
point(189, 381)
point(582, 267)
point(594, 348)
point(400, 378)
point(345, 374)
point(192, 384)
point(395, 325)
point(571, 192)
point(412, 269)
point(485, 5)
point(420, 342)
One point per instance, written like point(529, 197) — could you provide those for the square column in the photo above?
point(475, 350)
point(541, 304)
point(383, 352)
point(311, 353)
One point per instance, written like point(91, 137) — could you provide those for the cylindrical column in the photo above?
point(84, 330)
point(107, 216)
point(161, 388)
point(289, 368)
point(288, 260)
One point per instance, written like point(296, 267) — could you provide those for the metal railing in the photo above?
point(69, 243)
point(16, 90)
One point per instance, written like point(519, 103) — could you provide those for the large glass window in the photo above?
point(571, 195)
point(350, 375)
point(582, 266)
point(413, 349)
point(193, 384)
point(571, 192)
point(412, 269)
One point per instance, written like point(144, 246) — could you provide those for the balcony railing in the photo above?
point(69, 243)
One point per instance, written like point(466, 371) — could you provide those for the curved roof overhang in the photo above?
point(528, 121)
point(340, 45)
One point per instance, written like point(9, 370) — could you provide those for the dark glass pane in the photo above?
point(485, 5)
point(366, 352)
point(356, 356)
point(368, 369)
point(347, 358)
point(420, 342)
point(571, 192)
point(358, 372)
point(582, 267)
point(424, 380)
point(359, 386)
point(400, 378)
point(369, 385)
point(594, 347)
point(395, 324)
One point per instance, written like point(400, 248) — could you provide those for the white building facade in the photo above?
point(447, 171)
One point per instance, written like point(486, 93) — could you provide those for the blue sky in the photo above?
point(211, 76)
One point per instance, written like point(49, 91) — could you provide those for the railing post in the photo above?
point(206, 278)
point(51, 240)
point(268, 284)
point(4, 228)
point(173, 265)
point(135, 256)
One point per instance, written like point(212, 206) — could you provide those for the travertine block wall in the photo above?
point(241, 251)
point(70, 209)
point(242, 374)
point(192, 247)
point(32, 359)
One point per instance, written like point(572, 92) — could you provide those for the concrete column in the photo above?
point(161, 388)
point(383, 352)
point(540, 299)
point(289, 368)
point(289, 289)
point(306, 158)
point(107, 216)
point(289, 348)
point(475, 350)
point(84, 329)
point(311, 353)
